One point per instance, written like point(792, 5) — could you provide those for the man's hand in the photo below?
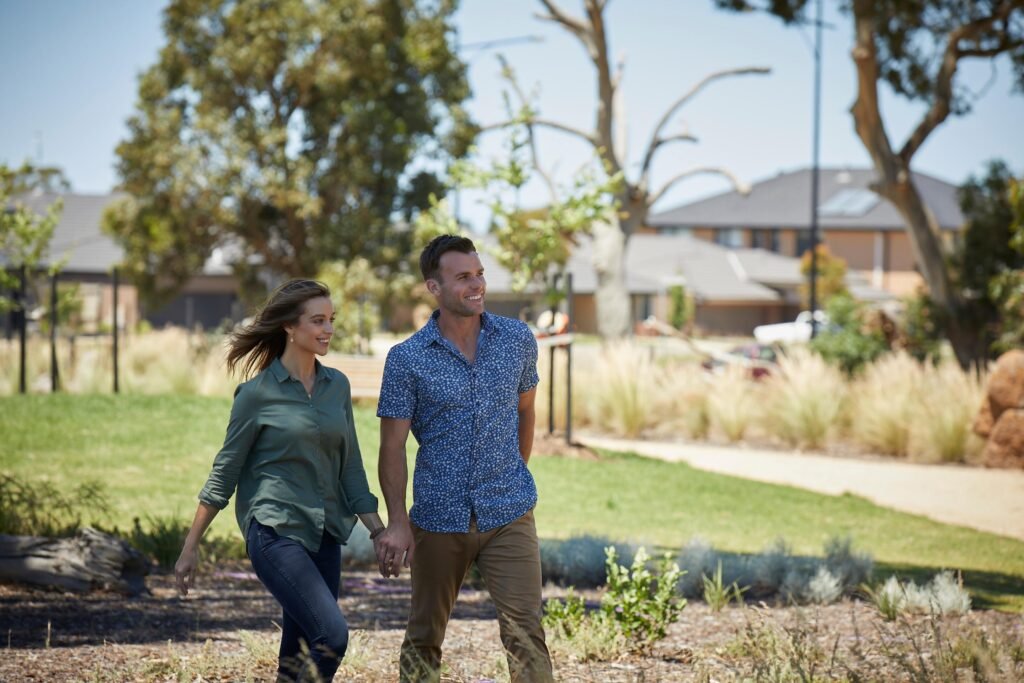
point(185, 569)
point(394, 548)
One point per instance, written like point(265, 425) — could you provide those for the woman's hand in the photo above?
point(394, 548)
point(185, 569)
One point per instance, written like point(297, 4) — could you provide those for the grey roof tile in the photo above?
point(784, 201)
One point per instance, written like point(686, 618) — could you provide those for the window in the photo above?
point(766, 239)
point(729, 237)
point(803, 242)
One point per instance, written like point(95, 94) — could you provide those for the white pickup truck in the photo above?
point(797, 331)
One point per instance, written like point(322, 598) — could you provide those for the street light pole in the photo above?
point(815, 153)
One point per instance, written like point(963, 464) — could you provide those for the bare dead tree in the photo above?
point(636, 196)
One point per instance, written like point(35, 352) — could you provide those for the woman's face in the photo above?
point(315, 327)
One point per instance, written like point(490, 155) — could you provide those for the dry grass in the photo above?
point(168, 361)
point(804, 399)
point(734, 403)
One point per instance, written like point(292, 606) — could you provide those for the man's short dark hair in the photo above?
point(430, 258)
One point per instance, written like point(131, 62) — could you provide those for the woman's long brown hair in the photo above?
point(256, 345)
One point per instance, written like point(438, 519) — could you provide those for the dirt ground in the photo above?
point(225, 631)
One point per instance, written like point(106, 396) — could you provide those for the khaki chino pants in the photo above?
point(509, 561)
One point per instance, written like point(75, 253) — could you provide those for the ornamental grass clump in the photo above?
point(733, 403)
point(620, 390)
point(941, 429)
point(883, 403)
point(804, 399)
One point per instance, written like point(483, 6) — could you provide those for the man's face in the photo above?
point(460, 285)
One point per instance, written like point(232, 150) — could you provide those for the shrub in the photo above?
point(580, 560)
point(40, 509)
point(944, 594)
point(848, 343)
point(642, 603)
point(635, 612)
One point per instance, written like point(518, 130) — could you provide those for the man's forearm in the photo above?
point(394, 477)
point(527, 420)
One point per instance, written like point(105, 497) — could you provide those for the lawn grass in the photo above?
point(153, 453)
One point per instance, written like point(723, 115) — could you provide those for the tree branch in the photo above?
point(657, 140)
point(510, 76)
point(942, 104)
point(554, 125)
point(737, 184)
point(557, 15)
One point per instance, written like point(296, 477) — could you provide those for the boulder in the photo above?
point(1005, 446)
point(983, 422)
point(1006, 385)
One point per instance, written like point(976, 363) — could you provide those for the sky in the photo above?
point(68, 71)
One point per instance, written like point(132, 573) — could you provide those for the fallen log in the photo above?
point(90, 560)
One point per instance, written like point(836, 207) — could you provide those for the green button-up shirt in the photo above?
point(294, 458)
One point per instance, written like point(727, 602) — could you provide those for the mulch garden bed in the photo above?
point(54, 636)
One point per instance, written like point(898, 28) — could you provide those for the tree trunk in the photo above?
point(926, 245)
point(611, 298)
point(88, 561)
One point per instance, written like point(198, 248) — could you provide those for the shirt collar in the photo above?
point(281, 374)
point(432, 332)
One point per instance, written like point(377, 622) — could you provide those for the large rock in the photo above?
point(1005, 447)
point(1006, 385)
point(983, 422)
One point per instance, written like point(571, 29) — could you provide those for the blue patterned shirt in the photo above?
point(465, 417)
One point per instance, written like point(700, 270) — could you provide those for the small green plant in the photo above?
point(565, 617)
point(642, 603)
point(890, 599)
point(40, 509)
point(718, 595)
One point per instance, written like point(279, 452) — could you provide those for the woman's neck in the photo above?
point(299, 364)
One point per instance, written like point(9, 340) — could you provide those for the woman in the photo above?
point(291, 452)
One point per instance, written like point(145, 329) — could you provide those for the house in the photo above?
point(734, 289)
point(856, 224)
point(87, 257)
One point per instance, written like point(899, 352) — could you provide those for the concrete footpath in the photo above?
point(983, 499)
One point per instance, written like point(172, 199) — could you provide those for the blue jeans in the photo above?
point(306, 584)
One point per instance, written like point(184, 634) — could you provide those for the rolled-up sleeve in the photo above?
point(353, 476)
point(243, 428)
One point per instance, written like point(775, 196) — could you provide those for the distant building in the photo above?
point(856, 224)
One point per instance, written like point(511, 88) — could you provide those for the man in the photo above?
point(465, 386)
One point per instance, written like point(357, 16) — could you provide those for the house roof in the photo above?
point(80, 244)
point(78, 239)
point(711, 272)
point(845, 203)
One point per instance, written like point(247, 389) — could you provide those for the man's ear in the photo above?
point(433, 287)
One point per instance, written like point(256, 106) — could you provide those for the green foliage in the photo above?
point(164, 535)
point(831, 281)
point(848, 342)
point(535, 244)
point(640, 602)
point(358, 292)
point(922, 332)
point(681, 307)
point(285, 133)
point(988, 266)
point(566, 615)
point(24, 234)
point(718, 594)
point(40, 508)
